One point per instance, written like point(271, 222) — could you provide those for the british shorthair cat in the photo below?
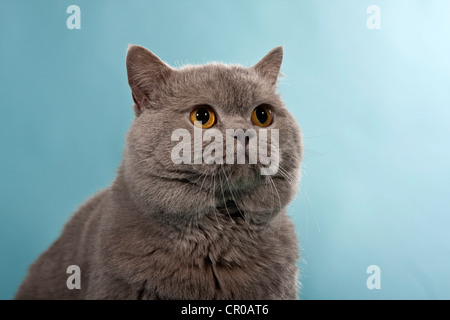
point(172, 227)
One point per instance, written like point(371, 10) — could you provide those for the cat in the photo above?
point(163, 230)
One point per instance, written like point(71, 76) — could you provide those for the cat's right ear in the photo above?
point(145, 73)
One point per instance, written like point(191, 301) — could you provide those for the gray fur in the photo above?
point(167, 231)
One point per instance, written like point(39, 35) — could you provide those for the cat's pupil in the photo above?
point(202, 115)
point(261, 114)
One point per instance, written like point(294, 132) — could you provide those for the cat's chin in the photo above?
point(231, 179)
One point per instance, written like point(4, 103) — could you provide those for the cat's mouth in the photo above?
point(231, 209)
point(224, 180)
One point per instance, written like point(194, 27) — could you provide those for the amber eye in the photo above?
point(262, 116)
point(203, 117)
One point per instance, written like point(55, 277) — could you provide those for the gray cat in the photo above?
point(166, 230)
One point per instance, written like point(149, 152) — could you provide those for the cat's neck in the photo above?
point(220, 217)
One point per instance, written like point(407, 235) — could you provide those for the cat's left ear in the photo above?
point(269, 66)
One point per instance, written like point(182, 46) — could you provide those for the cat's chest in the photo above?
point(202, 265)
point(215, 260)
point(207, 272)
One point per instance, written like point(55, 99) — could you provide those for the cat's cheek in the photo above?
point(257, 212)
point(267, 200)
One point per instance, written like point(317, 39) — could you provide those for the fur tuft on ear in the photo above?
point(269, 66)
point(145, 72)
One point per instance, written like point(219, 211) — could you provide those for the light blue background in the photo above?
point(374, 106)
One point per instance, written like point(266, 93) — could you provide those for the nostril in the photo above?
point(245, 138)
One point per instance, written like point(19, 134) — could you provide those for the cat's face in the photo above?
point(178, 156)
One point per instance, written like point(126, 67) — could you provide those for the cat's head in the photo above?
point(178, 160)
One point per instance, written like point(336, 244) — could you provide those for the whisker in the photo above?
point(204, 178)
point(215, 205)
point(224, 200)
point(278, 195)
point(198, 178)
point(279, 202)
point(272, 192)
point(316, 222)
point(289, 178)
point(234, 200)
